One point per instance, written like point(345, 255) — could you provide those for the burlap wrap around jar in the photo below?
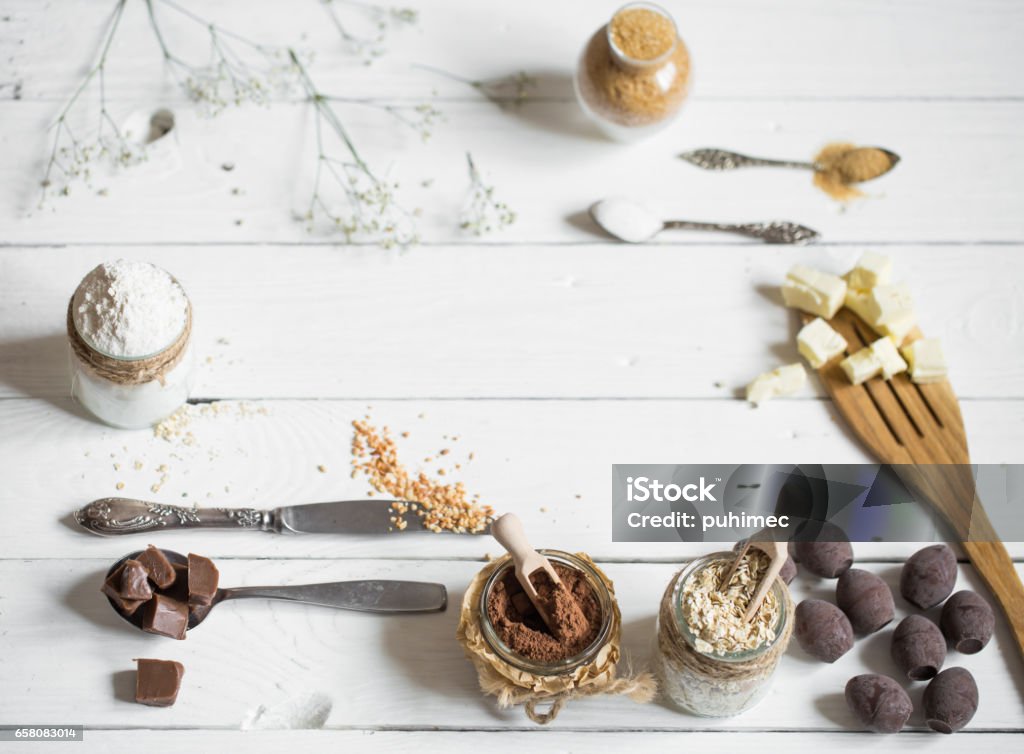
point(520, 681)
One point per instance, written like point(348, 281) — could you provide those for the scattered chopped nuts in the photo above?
point(442, 507)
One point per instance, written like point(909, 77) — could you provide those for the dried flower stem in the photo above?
point(383, 18)
point(483, 213)
point(514, 88)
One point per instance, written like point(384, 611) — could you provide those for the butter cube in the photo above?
point(819, 343)
point(813, 291)
point(899, 328)
point(861, 366)
point(871, 270)
point(889, 357)
point(864, 305)
point(859, 302)
point(785, 380)
point(927, 363)
point(887, 303)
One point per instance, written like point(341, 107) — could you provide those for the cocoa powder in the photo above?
point(573, 607)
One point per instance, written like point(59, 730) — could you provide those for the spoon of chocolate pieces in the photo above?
point(167, 593)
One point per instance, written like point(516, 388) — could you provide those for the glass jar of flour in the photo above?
point(129, 328)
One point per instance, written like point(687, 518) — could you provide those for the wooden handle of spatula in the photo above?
point(993, 563)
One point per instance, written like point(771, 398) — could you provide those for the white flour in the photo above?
point(129, 309)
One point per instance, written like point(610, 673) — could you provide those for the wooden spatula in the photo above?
point(906, 424)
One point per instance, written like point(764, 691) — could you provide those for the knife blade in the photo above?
point(116, 515)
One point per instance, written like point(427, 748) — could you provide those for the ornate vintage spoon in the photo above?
point(634, 223)
point(372, 596)
point(721, 159)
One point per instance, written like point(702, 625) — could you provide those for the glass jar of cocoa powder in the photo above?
point(526, 645)
point(634, 73)
point(708, 659)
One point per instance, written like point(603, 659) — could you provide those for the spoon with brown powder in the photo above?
point(837, 167)
point(508, 530)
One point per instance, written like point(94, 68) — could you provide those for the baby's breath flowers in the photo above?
point(72, 154)
point(381, 20)
point(368, 205)
point(482, 213)
point(238, 71)
point(503, 90)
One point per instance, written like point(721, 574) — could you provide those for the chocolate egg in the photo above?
point(788, 572)
point(823, 630)
point(928, 576)
point(878, 702)
point(826, 559)
point(950, 700)
point(967, 621)
point(918, 648)
point(866, 600)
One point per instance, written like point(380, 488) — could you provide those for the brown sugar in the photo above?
point(840, 166)
point(635, 71)
point(642, 34)
point(573, 607)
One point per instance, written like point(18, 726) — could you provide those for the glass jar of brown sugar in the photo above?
point(634, 73)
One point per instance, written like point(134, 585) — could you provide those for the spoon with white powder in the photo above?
point(634, 223)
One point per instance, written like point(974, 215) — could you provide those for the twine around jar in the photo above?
point(129, 371)
point(677, 652)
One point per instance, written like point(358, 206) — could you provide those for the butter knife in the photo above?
point(119, 515)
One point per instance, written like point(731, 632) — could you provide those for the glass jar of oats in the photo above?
point(634, 73)
point(709, 660)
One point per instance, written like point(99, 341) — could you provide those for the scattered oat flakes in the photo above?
point(322, 469)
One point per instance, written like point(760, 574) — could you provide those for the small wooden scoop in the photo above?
point(508, 530)
point(777, 552)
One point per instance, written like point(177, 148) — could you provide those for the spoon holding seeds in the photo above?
point(777, 553)
point(633, 223)
point(876, 161)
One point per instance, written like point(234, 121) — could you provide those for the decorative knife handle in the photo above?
point(122, 515)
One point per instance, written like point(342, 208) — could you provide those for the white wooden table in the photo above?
point(549, 351)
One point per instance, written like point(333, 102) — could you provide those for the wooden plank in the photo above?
point(549, 461)
point(64, 649)
point(542, 741)
point(792, 48)
point(958, 181)
point(455, 322)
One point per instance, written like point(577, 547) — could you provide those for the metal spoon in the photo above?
point(721, 159)
point(374, 596)
point(634, 223)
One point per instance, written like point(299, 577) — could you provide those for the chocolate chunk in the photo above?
point(161, 572)
point(165, 616)
point(918, 647)
point(928, 576)
point(135, 581)
point(823, 630)
point(866, 600)
point(878, 702)
point(157, 682)
point(967, 621)
point(202, 580)
point(112, 588)
point(950, 700)
point(179, 587)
